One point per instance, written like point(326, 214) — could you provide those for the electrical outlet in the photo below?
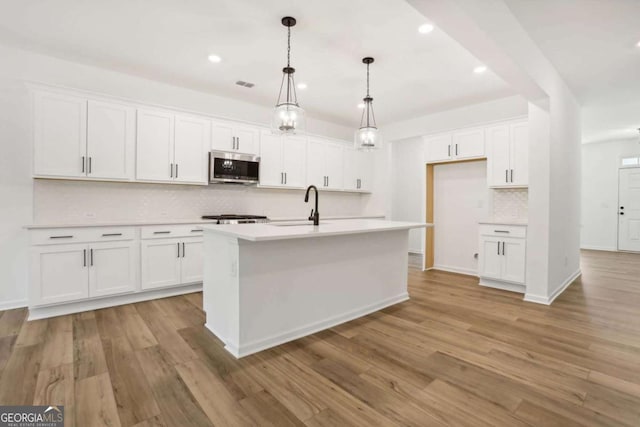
point(90, 215)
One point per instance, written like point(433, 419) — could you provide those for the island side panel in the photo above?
point(220, 292)
point(292, 288)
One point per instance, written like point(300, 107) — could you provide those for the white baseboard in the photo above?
point(96, 304)
point(244, 350)
point(599, 248)
point(505, 286)
point(10, 305)
point(547, 300)
point(451, 269)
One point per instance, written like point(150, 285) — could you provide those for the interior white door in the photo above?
point(519, 154)
point(60, 145)
point(155, 145)
point(316, 172)
point(294, 155)
point(222, 137)
point(498, 155)
point(192, 254)
point(489, 258)
point(334, 166)
point(111, 133)
point(468, 144)
point(160, 263)
point(271, 168)
point(438, 147)
point(191, 148)
point(629, 210)
point(514, 260)
point(246, 140)
point(59, 274)
point(112, 268)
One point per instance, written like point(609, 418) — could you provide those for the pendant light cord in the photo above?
point(288, 46)
point(367, 80)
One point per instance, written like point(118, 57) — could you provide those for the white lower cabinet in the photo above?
point(59, 274)
point(192, 267)
point(112, 268)
point(502, 256)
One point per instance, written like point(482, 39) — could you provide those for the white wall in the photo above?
point(600, 165)
point(461, 200)
point(17, 187)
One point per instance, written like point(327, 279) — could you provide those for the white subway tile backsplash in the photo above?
point(83, 201)
point(511, 204)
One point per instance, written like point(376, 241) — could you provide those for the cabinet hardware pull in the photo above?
point(161, 232)
point(502, 248)
point(501, 231)
point(506, 175)
point(61, 237)
point(83, 163)
point(171, 170)
point(84, 257)
point(176, 170)
point(456, 149)
point(196, 230)
point(111, 234)
point(178, 249)
point(237, 142)
point(184, 252)
point(327, 180)
point(511, 175)
point(281, 177)
point(449, 150)
point(285, 177)
point(498, 248)
point(91, 255)
point(89, 165)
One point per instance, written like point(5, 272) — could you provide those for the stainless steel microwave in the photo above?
point(233, 168)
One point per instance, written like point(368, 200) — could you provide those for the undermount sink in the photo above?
point(296, 224)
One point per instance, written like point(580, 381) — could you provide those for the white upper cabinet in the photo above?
point(458, 145)
point(508, 159)
point(155, 145)
point(172, 148)
point(282, 160)
point(325, 165)
point(192, 141)
point(357, 170)
point(111, 132)
point(60, 145)
point(229, 136)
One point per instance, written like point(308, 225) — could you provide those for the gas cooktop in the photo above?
point(237, 219)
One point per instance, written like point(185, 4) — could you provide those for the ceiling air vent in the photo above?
point(245, 84)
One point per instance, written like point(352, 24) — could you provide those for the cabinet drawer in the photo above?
point(81, 235)
point(497, 230)
point(167, 231)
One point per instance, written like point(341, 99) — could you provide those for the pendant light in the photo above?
point(288, 118)
point(367, 136)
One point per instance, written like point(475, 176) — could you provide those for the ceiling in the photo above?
point(169, 40)
point(592, 44)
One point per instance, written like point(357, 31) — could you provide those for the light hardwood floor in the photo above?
point(455, 354)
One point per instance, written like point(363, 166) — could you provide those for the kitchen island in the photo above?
point(266, 284)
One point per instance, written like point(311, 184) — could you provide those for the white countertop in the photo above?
point(300, 229)
point(173, 222)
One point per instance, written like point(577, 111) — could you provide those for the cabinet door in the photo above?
point(514, 260)
point(246, 140)
point(192, 142)
point(223, 138)
point(160, 263)
point(294, 155)
point(192, 254)
point(334, 166)
point(155, 145)
point(60, 139)
point(490, 258)
point(468, 144)
point(351, 169)
point(111, 140)
point(498, 155)
point(59, 273)
point(271, 169)
point(316, 173)
point(365, 169)
point(519, 154)
point(438, 148)
point(112, 268)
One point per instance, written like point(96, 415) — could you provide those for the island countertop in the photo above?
point(301, 230)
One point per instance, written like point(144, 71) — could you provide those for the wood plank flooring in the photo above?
point(455, 354)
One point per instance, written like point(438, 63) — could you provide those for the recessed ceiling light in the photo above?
point(214, 58)
point(480, 69)
point(302, 86)
point(425, 28)
point(361, 105)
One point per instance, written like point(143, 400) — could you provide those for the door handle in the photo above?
point(621, 213)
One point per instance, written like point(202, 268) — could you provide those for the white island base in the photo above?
point(266, 284)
